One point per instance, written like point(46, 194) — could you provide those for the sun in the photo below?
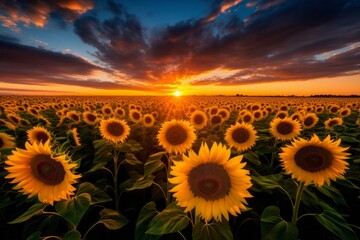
point(177, 93)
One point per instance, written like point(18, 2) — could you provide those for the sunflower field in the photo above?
point(179, 168)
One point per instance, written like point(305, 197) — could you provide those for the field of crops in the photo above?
point(179, 168)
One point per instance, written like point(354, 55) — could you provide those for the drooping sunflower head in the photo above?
point(114, 130)
point(38, 134)
point(36, 171)
point(176, 136)
point(135, 116)
point(211, 183)
point(285, 129)
point(332, 122)
point(315, 161)
point(241, 136)
point(310, 120)
point(148, 120)
point(6, 141)
point(73, 137)
point(198, 119)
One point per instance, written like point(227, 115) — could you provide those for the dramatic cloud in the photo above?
point(13, 12)
point(20, 64)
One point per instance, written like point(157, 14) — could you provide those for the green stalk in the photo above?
point(168, 196)
point(116, 187)
point(297, 202)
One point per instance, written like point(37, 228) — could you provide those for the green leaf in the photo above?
point(130, 146)
point(212, 231)
point(347, 139)
point(171, 219)
point(253, 157)
point(333, 193)
point(153, 164)
point(32, 211)
point(335, 223)
point(72, 235)
point(74, 208)
point(141, 183)
point(97, 194)
point(34, 236)
point(131, 159)
point(147, 213)
point(112, 219)
point(103, 151)
point(268, 182)
point(274, 227)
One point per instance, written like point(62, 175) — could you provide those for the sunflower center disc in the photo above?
point(14, 119)
point(148, 120)
point(136, 115)
point(216, 120)
point(209, 181)
point(120, 112)
point(222, 113)
point(247, 118)
point(281, 115)
point(91, 117)
point(284, 128)
point(313, 158)
point(332, 123)
point(75, 117)
point(107, 111)
point(308, 121)
point(47, 170)
point(115, 129)
point(240, 135)
point(198, 119)
point(42, 137)
point(176, 135)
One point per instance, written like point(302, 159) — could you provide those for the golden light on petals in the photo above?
point(6, 141)
point(211, 183)
point(38, 134)
point(176, 136)
point(315, 161)
point(285, 129)
point(241, 136)
point(36, 171)
point(114, 130)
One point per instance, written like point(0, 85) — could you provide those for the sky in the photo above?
point(197, 47)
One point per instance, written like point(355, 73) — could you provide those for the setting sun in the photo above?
point(177, 94)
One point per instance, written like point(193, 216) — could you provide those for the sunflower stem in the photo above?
point(299, 192)
point(116, 170)
point(168, 197)
point(273, 154)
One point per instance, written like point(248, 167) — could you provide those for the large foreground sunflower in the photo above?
point(176, 136)
point(315, 161)
point(211, 183)
point(114, 130)
point(241, 136)
point(38, 172)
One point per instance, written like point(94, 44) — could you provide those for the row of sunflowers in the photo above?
point(179, 167)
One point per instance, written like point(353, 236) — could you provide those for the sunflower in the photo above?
point(241, 136)
point(315, 161)
point(216, 120)
point(90, 118)
point(258, 115)
point(224, 113)
point(310, 120)
point(6, 141)
point(332, 122)
point(285, 129)
point(73, 137)
point(119, 112)
point(7, 124)
point(198, 119)
point(114, 130)
point(38, 134)
point(281, 115)
point(74, 116)
point(297, 116)
point(38, 172)
point(211, 183)
point(213, 110)
point(135, 116)
point(107, 110)
point(248, 118)
point(344, 112)
point(148, 120)
point(33, 112)
point(15, 119)
point(176, 136)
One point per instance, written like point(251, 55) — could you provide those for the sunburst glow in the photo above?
point(177, 93)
